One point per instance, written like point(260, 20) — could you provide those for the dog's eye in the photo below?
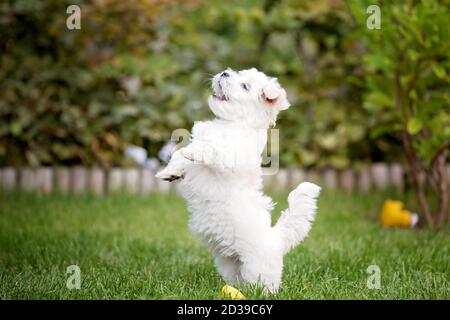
point(245, 86)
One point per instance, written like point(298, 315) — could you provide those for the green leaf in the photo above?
point(446, 133)
point(439, 71)
point(414, 125)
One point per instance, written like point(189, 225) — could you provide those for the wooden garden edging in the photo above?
point(100, 181)
point(80, 179)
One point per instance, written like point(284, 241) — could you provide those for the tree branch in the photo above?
point(417, 172)
point(304, 57)
point(438, 175)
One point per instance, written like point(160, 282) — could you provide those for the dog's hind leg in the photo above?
point(228, 268)
point(263, 265)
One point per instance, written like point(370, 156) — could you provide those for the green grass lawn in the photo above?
point(135, 247)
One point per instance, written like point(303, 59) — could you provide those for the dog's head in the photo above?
point(248, 95)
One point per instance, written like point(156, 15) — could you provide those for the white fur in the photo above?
point(221, 179)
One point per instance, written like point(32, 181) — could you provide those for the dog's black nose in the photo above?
point(225, 74)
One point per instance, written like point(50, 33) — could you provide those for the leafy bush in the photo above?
point(63, 94)
point(79, 96)
point(407, 91)
point(139, 69)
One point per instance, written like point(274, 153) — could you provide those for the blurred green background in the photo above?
point(139, 69)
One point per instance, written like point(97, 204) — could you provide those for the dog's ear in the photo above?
point(274, 95)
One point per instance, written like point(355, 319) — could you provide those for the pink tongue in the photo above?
point(222, 98)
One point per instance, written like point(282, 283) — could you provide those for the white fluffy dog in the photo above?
point(221, 179)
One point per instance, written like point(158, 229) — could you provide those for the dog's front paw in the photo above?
point(169, 175)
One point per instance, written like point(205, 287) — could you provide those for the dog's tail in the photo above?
point(295, 222)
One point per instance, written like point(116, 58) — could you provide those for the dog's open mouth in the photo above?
point(220, 97)
point(217, 91)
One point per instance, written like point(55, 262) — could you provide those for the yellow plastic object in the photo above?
point(228, 292)
point(393, 215)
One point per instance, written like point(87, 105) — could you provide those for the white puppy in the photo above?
point(221, 179)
